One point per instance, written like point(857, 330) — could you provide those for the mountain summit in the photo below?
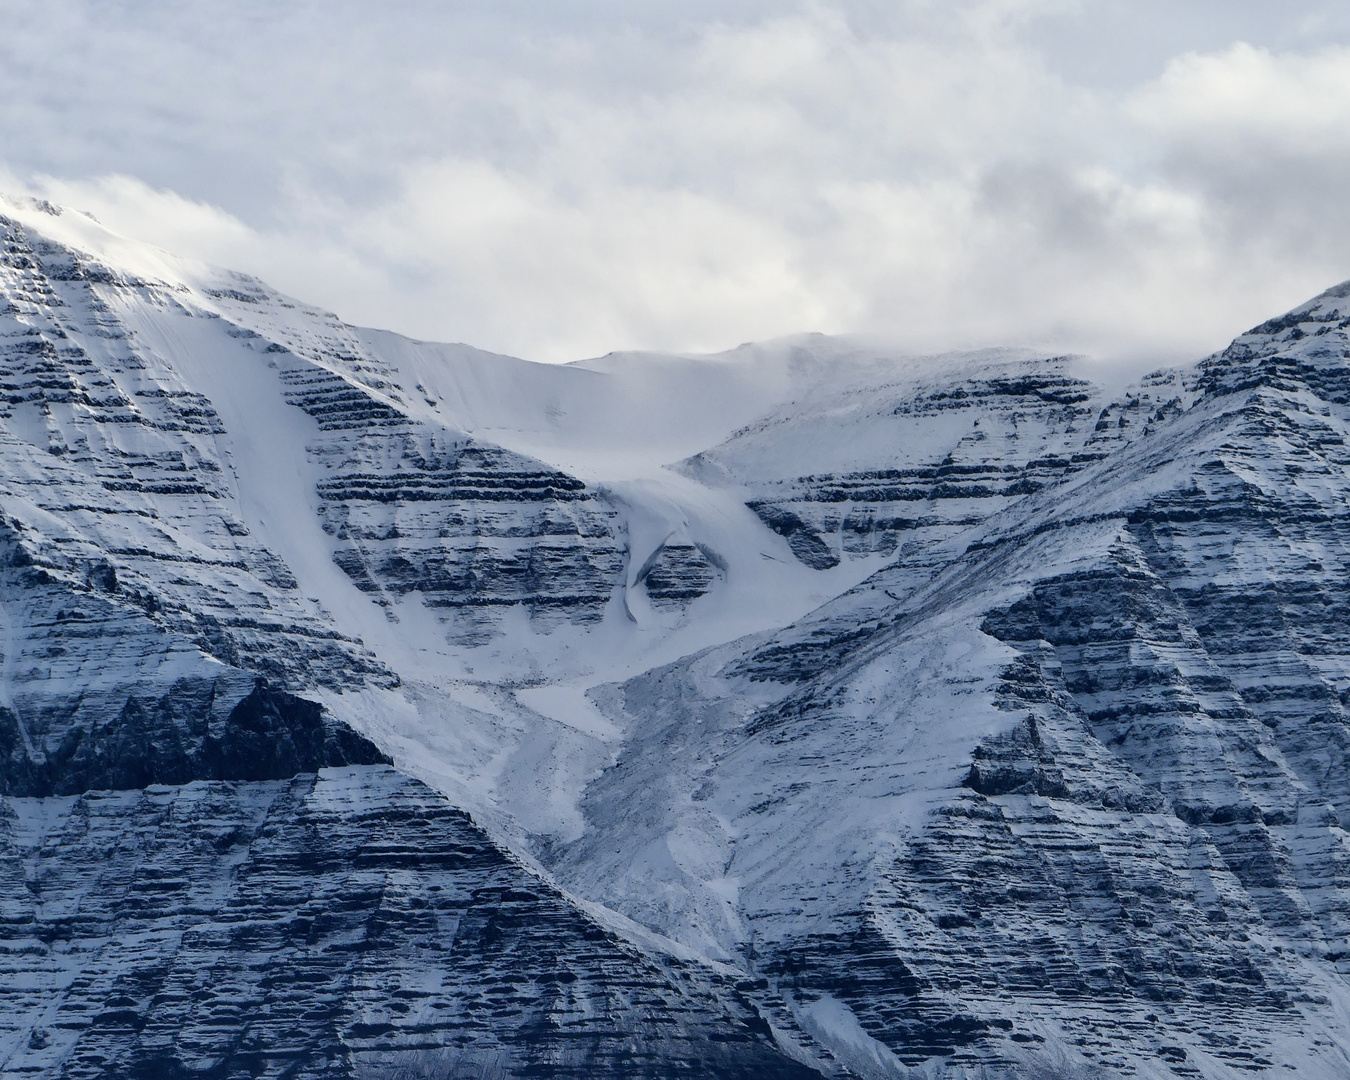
point(377, 708)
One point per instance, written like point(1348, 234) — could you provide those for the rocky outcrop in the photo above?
point(349, 924)
point(115, 479)
point(1072, 802)
point(180, 736)
point(413, 507)
point(804, 539)
point(933, 455)
point(678, 571)
point(471, 529)
point(948, 449)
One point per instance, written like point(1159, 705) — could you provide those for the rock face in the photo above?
point(182, 736)
point(1074, 805)
point(470, 528)
point(1061, 789)
point(679, 570)
point(102, 434)
point(924, 457)
point(204, 873)
point(349, 924)
point(114, 478)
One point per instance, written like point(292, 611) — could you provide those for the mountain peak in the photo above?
point(811, 710)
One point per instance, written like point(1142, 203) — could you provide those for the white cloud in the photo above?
point(560, 183)
point(163, 218)
point(1262, 139)
point(1253, 100)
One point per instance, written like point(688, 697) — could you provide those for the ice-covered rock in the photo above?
point(203, 872)
point(1073, 802)
point(349, 924)
point(947, 716)
point(913, 454)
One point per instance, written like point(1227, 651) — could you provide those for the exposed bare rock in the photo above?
point(1072, 803)
point(1061, 789)
point(346, 925)
point(917, 459)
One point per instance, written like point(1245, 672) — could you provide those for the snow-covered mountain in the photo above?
point(803, 710)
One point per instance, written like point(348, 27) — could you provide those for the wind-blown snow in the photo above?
point(980, 716)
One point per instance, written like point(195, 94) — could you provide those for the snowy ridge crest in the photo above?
point(943, 717)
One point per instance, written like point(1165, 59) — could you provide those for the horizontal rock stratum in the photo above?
point(377, 708)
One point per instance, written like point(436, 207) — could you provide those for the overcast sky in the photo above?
point(560, 178)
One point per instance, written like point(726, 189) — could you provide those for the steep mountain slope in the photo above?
point(345, 538)
point(931, 449)
point(204, 873)
point(1075, 803)
point(948, 716)
point(349, 924)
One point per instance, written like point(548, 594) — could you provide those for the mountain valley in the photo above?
point(379, 708)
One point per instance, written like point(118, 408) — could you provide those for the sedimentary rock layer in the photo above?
point(345, 924)
point(1073, 804)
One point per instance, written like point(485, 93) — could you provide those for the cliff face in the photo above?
point(203, 872)
point(471, 529)
point(1077, 801)
point(1048, 773)
point(345, 924)
point(912, 457)
point(116, 453)
point(202, 875)
point(114, 478)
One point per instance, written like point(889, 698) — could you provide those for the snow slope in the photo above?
point(1074, 801)
point(201, 871)
point(972, 717)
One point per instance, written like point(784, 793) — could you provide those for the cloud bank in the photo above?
point(561, 180)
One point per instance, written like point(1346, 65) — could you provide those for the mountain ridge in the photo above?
point(981, 722)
